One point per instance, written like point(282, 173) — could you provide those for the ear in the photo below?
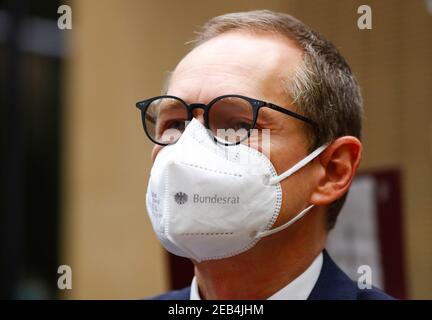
point(337, 167)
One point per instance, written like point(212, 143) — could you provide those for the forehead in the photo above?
point(252, 64)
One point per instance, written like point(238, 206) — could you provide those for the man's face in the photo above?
point(253, 65)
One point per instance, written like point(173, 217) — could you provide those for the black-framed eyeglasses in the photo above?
point(230, 118)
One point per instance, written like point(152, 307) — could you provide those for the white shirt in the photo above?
point(298, 289)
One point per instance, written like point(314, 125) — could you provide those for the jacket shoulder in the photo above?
point(373, 294)
point(334, 284)
point(182, 294)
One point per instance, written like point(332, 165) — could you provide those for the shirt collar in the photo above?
point(298, 289)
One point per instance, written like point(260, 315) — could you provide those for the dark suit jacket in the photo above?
point(332, 284)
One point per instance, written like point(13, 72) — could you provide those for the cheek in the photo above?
point(285, 153)
point(295, 188)
point(296, 191)
point(155, 152)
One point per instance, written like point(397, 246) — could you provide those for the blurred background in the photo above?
point(75, 161)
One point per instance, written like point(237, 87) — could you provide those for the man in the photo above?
point(255, 228)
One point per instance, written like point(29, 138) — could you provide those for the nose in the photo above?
point(198, 112)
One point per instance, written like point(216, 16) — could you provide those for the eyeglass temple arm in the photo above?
point(292, 114)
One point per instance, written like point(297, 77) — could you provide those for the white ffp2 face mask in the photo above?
point(208, 201)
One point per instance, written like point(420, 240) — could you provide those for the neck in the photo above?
point(273, 263)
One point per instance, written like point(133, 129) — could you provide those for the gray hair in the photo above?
point(323, 87)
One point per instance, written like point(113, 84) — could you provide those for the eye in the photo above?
point(238, 125)
point(177, 124)
point(171, 124)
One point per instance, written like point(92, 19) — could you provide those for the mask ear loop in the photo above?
point(298, 165)
point(285, 225)
point(285, 175)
